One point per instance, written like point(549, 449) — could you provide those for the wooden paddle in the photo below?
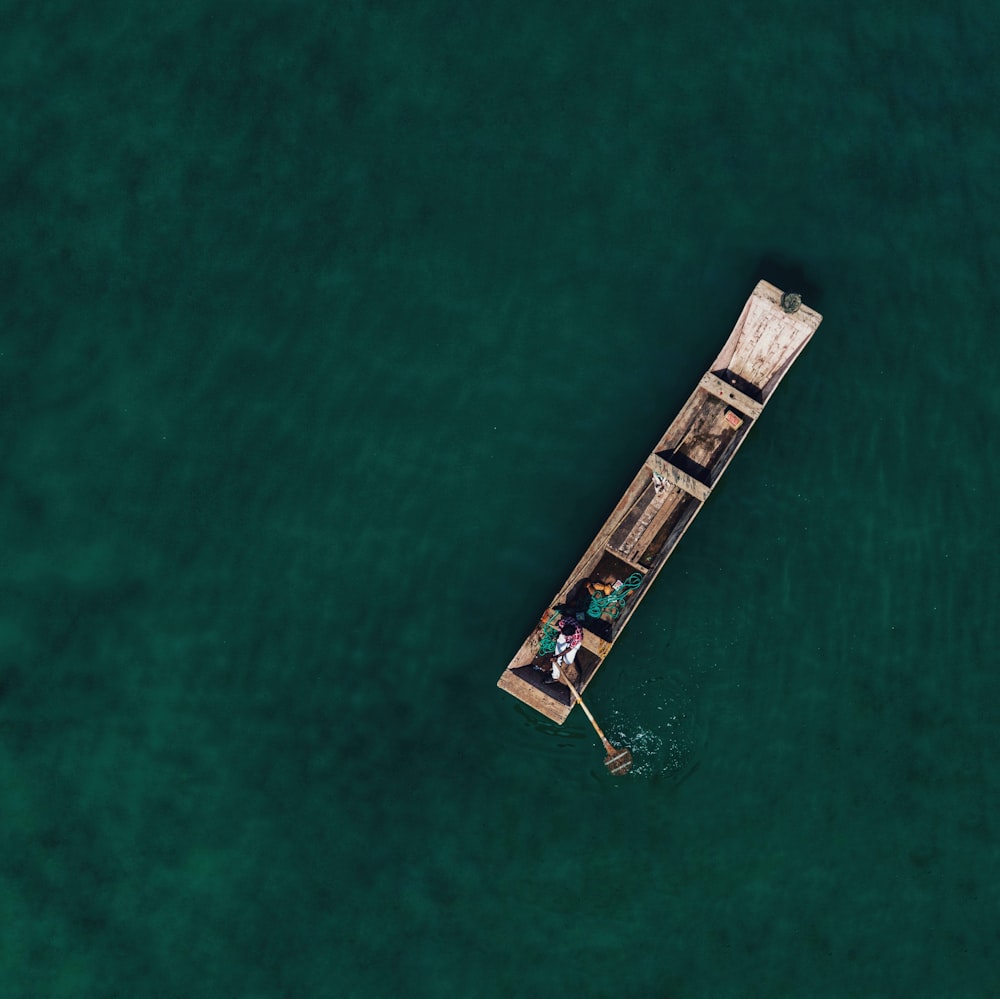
point(618, 761)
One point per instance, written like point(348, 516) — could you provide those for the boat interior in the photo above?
point(680, 513)
point(586, 662)
point(703, 438)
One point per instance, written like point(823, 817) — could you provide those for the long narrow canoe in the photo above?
point(672, 485)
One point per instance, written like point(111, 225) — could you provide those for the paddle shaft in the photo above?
point(593, 721)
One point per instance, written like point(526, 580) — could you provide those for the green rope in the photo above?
point(547, 645)
point(613, 603)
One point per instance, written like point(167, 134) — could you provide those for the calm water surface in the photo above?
point(330, 335)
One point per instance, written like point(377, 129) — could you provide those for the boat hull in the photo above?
point(664, 497)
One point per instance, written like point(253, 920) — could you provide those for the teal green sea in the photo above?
point(329, 336)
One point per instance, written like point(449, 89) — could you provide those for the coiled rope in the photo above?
point(613, 602)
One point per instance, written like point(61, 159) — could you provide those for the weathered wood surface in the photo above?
point(711, 382)
point(533, 697)
point(680, 479)
point(766, 340)
point(655, 514)
point(650, 519)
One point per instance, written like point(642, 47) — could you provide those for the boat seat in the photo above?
point(711, 382)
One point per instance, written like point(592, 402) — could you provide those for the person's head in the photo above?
point(567, 627)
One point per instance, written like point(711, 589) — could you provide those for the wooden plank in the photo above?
point(594, 643)
point(673, 474)
point(766, 340)
point(627, 546)
point(533, 697)
point(711, 382)
point(627, 559)
point(662, 516)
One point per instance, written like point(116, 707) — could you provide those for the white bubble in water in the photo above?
point(661, 747)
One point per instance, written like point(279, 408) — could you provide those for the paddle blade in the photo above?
point(619, 762)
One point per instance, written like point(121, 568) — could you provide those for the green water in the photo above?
point(330, 334)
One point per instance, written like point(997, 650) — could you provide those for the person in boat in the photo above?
point(569, 637)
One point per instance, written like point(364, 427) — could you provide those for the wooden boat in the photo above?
point(616, 571)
